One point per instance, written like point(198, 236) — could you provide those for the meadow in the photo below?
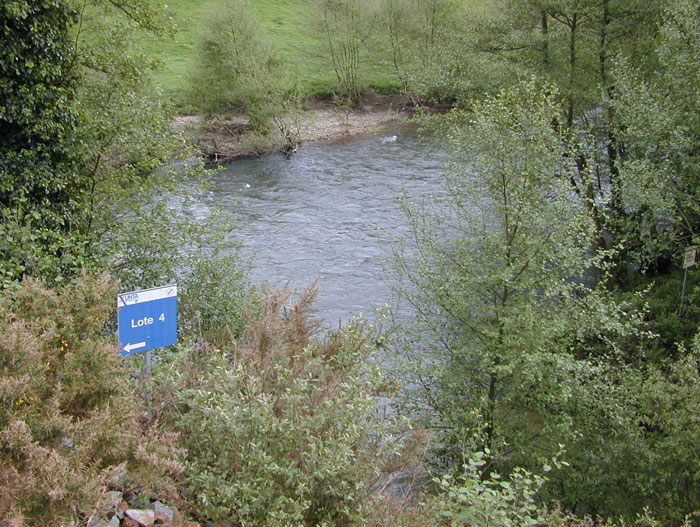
point(287, 23)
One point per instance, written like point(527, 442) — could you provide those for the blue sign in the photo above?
point(147, 319)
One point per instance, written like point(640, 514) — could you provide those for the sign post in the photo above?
point(147, 320)
point(688, 261)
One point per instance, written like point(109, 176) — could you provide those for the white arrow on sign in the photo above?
point(136, 346)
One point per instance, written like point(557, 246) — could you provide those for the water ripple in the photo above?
point(329, 212)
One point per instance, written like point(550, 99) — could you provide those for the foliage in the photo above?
point(40, 183)
point(279, 427)
point(645, 456)
point(70, 423)
point(84, 135)
point(346, 25)
point(237, 68)
point(143, 179)
point(508, 319)
point(125, 205)
point(471, 500)
point(659, 130)
point(161, 243)
point(448, 56)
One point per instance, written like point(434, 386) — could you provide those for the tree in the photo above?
point(237, 67)
point(92, 174)
point(81, 133)
point(507, 317)
point(452, 53)
point(345, 26)
point(659, 130)
point(40, 179)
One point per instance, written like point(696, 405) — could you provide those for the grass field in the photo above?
point(286, 22)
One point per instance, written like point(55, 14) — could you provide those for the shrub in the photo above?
point(280, 428)
point(69, 420)
point(237, 67)
point(472, 500)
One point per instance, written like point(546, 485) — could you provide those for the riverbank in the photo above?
point(220, 140)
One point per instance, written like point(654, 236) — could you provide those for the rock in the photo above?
point(130, 497)
point(162, 519)
point(177, 518)
point(159, 508)
point(111, 502)
point(121, 509)
point(145, 518)
point(190, 523)
point(99, 522)
point(128, 522)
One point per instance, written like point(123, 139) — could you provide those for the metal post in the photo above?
point(685, 282)
point(688, 261)
point(147, 372)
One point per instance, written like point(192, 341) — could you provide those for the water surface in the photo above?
point(330, 213)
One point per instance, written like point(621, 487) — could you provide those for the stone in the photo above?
point(177, 518)
point(111, 502)
point(158, 507)
point(162, 519)
point(145, 518)
point(98, 522)
point(128, 522)
point(190, 523)
point(130, 497)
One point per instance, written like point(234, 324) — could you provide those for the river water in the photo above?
point(329, 213)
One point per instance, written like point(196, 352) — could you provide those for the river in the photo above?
point(330, 212)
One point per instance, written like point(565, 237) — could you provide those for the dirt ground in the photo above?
point(223, 139)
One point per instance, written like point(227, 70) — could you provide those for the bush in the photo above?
point(69, 420)
point(279, 428)
point(237, 68)
point(472, 501)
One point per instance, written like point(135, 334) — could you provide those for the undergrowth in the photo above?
point(70, 423)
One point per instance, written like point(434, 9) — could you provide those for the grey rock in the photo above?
point(159, 507)
point(145, 518)
point(111, 502)
point(99, 522)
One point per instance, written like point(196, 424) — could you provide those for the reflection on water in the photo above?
point(328, 213)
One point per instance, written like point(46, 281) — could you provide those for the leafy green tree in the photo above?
point(635, 446)
point(92, 173)
point(450, 51)
point(397, 18)
point(142, 177)
point(237, 67)
point(507, 320)
point(346, 26)
point(659, 131)
point(40, 168)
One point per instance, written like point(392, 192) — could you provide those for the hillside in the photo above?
point(286, 22)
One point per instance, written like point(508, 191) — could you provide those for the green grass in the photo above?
point(287, 24)
point(177, 52)
point(284, 20)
